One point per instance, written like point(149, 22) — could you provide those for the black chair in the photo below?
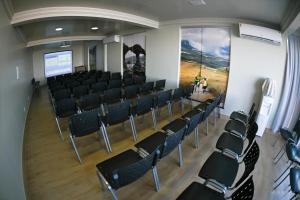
point(294, 182)
point(105, 76)
point(114, 84)
point(233, 144)
point(89, 82)
point(178, 96)
point(80, 91)
point(131, 92)
point(113, 95)
point(201, 191)
point(164, 99)
point(61, 94)
point(116, 76)
point(191, 120)
point(99, 87)
point(84, 124)
point(160, 85)
point(126, 168)
point(72, 84)
point(128, 81)
point(221, 169)
point(145, 105)
point(63, 109)
point(241, 115)
point(139, 79)
point(147, 88)
point(89, 102)
point(118, 113)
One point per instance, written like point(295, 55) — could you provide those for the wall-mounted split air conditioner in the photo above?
point(111, 39)
point(260, 33)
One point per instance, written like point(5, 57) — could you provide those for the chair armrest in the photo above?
point(230, 154)
point(215, 184)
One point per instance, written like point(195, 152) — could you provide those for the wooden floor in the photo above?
point(51, 170)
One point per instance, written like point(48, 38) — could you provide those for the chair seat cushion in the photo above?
point(239, 116)
point(231, 142)
point(236, 127)
point(220, 168)
point(191, 113)
point(68, 113)
point(294, 180)
point(197, 191)
point(175, 126)
point(152, 142)
point(123, 159)
point(286, 134)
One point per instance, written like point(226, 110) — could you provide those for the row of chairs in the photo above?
point(132, 164)
point(221, 168)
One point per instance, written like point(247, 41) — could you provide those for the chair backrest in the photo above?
point(89, 102)
point(127, 75)
point(130, 173)
point(112, 95)
point(188, 91)
point(84, 123)
point(178, 93)
point(172, 141)
point(131, 91)
point(72, 84)
point(116, 76)
point(128, 81)
point(162, 98)
point(249, 160)
point(139, 79)
point(209, 108)
point(80, 91)
point(160, 84)
point(99, 87)
point(61, 94)
point(144, 104)
point(115, 83)
point(245, 192)
point(65, 107)
point(89, 82)
point(252, 118)
point(251, 133)
point(193, 118)
point(147, 87)
point(118, 113)
point(105, 76)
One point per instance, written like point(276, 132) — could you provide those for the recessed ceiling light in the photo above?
point(197, 2)
point(59, 29)
point(94, 28)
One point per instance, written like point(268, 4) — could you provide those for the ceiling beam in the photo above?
point(28, 16)
point(62, 39)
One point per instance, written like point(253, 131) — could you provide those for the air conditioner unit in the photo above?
point(111, 39)
point(260, 33)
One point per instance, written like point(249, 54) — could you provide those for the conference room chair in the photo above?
point(84, 124)
point(143, 106)
point(235, 145)
point(80, 91)
point(99, 87)
point(89, 102)
point(128, 81)
point(55, 87)
point(112, 96)
point(294, 182)
point(105, 76)
point(72, 84)
point(201, 191)
point(164, 99)
point(160, 85)
point(89, 82)
point(131, 92)
point(221, 168)
point(147, 88)
point(191, 120)
point(116, 76)
point(241, 115)
point(125, 168)
point(61, 94)
point(116, 114)
point(63, 109)
point(139, 79)
point(98, 74)
point(178, 96)
point(117, 83)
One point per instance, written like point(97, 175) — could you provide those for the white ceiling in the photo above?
point(269, 12)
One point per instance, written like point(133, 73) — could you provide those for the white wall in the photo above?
point(251, 61)
point(38, 59)
point(99, 56)
point(114, 57)
point(15, 97)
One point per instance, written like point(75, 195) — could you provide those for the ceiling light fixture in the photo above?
point(197, 2)
point(59, 29)
point(94, 28)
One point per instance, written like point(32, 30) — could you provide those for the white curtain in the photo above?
point(289, 106)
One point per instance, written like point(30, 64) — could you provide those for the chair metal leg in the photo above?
point(291, 163)
point(105, 139)
point(281, 149)
point(59, 129)
point(170, 110)
point(181, 106)
point(104, 183)
point(105, 136)
point(215, 117)
point(153, 118)
point(75, 148)
point(133, 129)
point(196, 133)
point(156, 178)
point(180, 154)
point(206, 125)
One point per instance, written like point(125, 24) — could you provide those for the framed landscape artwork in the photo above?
point(205, 59)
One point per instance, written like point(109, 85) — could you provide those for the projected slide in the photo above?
point(58, 63)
